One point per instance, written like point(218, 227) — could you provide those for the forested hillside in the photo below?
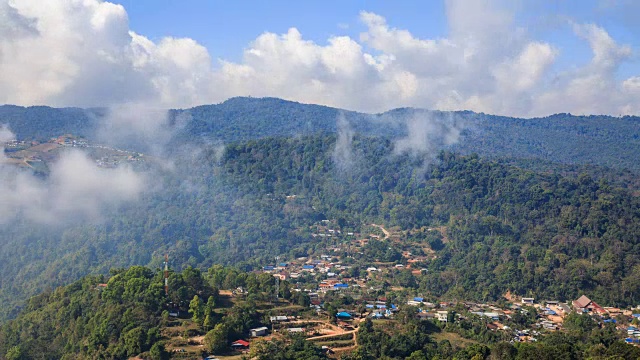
point(534, 233)
point(128, 315)
point(561, 138)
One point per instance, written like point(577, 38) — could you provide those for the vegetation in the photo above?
point(128, 316)
point(507, 228)
point(560, 138)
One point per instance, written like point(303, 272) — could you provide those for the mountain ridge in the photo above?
point(563, 138)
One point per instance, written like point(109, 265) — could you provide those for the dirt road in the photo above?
point(386, 233)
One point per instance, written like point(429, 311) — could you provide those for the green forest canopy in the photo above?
point(532, 232)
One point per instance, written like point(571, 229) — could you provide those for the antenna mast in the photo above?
point(277, 281)
point(166, 274)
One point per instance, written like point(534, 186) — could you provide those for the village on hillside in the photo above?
point(361, 288)
point(36, 155)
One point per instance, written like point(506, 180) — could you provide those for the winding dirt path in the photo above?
point(386, 233)
point(331, 335)
point(339, 332)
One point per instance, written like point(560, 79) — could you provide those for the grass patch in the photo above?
point(335, 344)
point(455, 339)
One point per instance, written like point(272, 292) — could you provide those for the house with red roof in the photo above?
point(240, 344)
point(584, 304)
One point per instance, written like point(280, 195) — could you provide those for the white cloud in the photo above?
point(75, 190)
point(5, 136)
point(82, 52)
point(593, 88)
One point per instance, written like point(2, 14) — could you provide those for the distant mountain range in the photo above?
point(561, 138)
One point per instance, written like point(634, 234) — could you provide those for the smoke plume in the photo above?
point(426, 134)
point(343, 156)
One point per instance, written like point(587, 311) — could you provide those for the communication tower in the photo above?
point(166, 274)
point(277, 280)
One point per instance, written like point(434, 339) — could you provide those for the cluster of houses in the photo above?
point(303, 266)
point(70, 140)
point(16, 144)
point(332, 275)
point(550, 315)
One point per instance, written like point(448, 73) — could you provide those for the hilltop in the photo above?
point(560, 138)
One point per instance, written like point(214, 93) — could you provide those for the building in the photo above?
point(584, 304)
point(343, 315)
point(425, 316)
point(275, 319)
point(308, 267)
point(528, 301)
point(442, 315)
point(261, 331)
point(281, 276)
point(240, 344)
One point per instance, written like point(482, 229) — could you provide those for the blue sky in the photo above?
point(510, 57)
point(226, 27)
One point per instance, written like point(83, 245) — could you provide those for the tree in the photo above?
point(213, 301)
point(451, 317)
point(134, 341)
point(332, 312)
point(196, 309)
point(15, 353)
point(208, 322)
point(302, 299)
point(503, 351)
point(579, 324)
point(417, 355)
point(216, 340)
point(158, 352)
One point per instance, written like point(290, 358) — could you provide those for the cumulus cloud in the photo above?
point(82, 52)
point(594, 88)
point(76, 52)
point(76, 189)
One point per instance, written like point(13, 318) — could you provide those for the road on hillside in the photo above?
point(386, 233)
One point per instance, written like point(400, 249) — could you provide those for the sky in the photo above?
point(523, 58)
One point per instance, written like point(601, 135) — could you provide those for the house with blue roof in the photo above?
point(343, 315)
